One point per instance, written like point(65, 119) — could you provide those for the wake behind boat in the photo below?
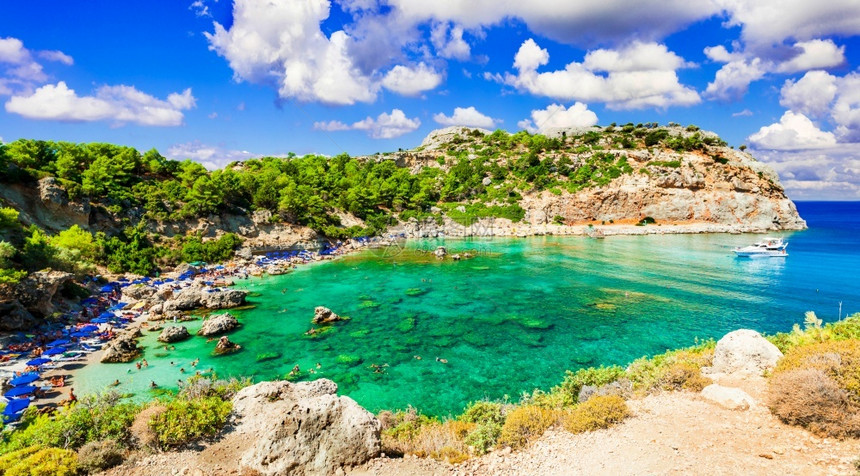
point(768, 247)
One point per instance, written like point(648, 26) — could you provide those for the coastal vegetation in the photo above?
point(473, 176)
point(815, 386)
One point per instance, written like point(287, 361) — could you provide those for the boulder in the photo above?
point(14, 317)
point(225, 345)
point(184, 268)
point(324, 315)
point(136, 292)
point(744, 350)
point(729, 398)
point(174, 334)
point(122, 349)
point(218, 325)
point(303, 428)
point(222, 298)
point(198, 296)
point(440, 252)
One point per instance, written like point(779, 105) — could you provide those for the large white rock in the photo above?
point(303, 428)
point(729, 398)
point(744, 350)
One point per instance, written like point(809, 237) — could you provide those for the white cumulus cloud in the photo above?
point(810, 95)
point(448, 41)
point(768, 22)
point(120, 104)
point(557, 116)
point(466, 116)
point(384, 126)
point(813, 54)
point(411, 81)
point(794, 131)
point(637, 76)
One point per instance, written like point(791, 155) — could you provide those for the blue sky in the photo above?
point(215, 80)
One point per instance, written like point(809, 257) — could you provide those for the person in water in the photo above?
point(152, 384)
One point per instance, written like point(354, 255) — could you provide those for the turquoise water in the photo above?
point(516, 316)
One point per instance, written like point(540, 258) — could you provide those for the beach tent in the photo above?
point(38, 362)
point(16, 406)
point(58, 342)
point(54, 351)
point(25, 379)
point(20, 391)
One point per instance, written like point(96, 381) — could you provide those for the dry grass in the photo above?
point(595, 413)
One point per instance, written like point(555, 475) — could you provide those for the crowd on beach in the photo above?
point(32, 365)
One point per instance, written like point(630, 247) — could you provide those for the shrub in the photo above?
point(185, 421)
point(35, 461)
point(525, 424)
point(672, 370)
point(401, 428)
point(443, 441)
point(839, 360)
point(574, 381)
point(811, 399)
point(483, 412)
point(596, 413)
point(98, 456)
point(200, 386)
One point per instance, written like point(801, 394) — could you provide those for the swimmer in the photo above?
point(138, 365)
point(145, 363)
point(319, 366)
point(182, 370)
point(172, 363)
point(115, 383)
point(444, 361)
point(417, 357)
point(152, 384)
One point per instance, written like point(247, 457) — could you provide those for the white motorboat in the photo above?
point(769, 246)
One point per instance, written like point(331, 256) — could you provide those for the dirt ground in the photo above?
point(669, 433)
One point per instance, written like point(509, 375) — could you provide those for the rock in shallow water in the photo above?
point(122, 349)
point(174, 334)
point(303, 428)
point(218, 325)
point(324, 315)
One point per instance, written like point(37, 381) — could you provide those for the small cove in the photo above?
point(516, 316)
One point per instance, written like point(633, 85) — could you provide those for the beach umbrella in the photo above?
point(88, 328)
point(100, 320)
point(89, 301)
point(58, 342)
point(106, 289)
point(16, 405)
point(80, 334)
point(25, 379)
point(19, 391)
point(37, 362)
point(54, 351)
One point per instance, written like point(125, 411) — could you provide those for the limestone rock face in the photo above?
point(174, 334)
point(122, 349)
point(744, 350)
point(324, 315)
point(56, 200)
point(303, 429)
point(218, 325)
point(37, 290)
point(729, 398)
point(198, 296)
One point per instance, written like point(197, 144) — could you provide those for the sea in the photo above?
point(436, 335)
